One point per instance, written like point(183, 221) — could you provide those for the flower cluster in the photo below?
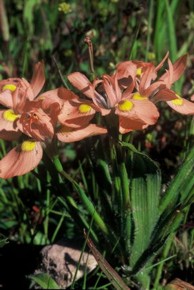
point(121, 102)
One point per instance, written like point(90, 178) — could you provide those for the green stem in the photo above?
point(150, 17)
point(171, 30)
point(161, 265)
point(125, 185)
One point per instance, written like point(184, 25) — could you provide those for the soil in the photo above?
point(16, 263)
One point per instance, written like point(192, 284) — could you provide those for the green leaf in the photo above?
point(44, 281)
point(145, 194)
point(171, 30)
point(3, 241)
point(28, 14)
point(181, 185)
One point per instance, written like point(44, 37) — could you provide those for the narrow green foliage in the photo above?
point(165, 30)
point(150, 19)
point(165, 253)
point(124, 185)
point(3, 241)
point(28, 14)
point(4, 23)
point(44, 281)
point(171, 30)
point(179, 188)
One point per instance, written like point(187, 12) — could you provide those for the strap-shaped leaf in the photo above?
point(145, 194)
point(181, 184)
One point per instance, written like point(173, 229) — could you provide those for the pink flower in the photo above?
point(14, 93)
point(75, 112)
point(36, 124)
point(136, 114)
point(21, 159)
point(112, 98)
point(30, 120)
point(75, 117)
point(137, 70)
point(171, 75)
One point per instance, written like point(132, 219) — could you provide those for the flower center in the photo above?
point(9, 115)
point(125, 106)
point(28, 145)
point(84, 108)
point(178, 101)
point(139, 72)
point(9, 87)
point(137, 96)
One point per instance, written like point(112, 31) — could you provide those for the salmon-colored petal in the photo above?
point(147, 111)
point(51, 96)
point(76, 114)
point(18, 161)
point(164, 95)
point(113, 93)
point(182, 106)
point(127, 93)
point(126, 69)
point(38, 78)
point(68, 135)
point(142, 111)
point(10, 135)
point(79, 121)
point(175, 71)
point(36, 124)
point(147, 68)
point(99, 98)
point(51, 103)
point(127, 83)
point(66, 94)
point(127, 125)
point(10, 81)
point(8, 128)
point(22, 94)
point(7, 87)
point(82, 83)
point(7, 120)
point(153, 89)
point(179, 67)
point(6, 99)
point(147, 77)
point(158, 67)
point(13, 91)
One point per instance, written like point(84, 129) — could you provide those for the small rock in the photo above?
point(65, 259)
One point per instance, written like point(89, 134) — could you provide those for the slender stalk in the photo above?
point(4, 22)
point(91, 54)
point(150, 17)
point(125, 185)
point(161, 265)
